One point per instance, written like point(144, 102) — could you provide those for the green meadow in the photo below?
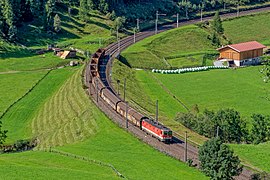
point(248, 28)
point(31, 62)
point(15, 85)
point(242, 89)
point(18, 119)
point(45, 165)
point(184, 44)
point(142, 91)
point(60, 115)
point(255, 155)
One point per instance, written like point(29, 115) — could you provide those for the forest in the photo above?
point(13, 13)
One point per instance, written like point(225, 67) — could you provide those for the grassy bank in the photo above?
point(15, 85)
point(241, 89)
point(256, 155)
point(186, 44)
point(248, 28)
point(18, 119)
point(44, 165)
point(142, 91)
point(70, 122)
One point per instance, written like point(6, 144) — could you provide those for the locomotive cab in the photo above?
point(167, 135)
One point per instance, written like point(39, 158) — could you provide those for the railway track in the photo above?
point(177, 148)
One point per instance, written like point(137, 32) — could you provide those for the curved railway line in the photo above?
point(177, 148)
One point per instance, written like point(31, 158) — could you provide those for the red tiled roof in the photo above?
point(247, 46)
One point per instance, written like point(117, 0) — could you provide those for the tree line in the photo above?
point(228, 125)
point(13, 13)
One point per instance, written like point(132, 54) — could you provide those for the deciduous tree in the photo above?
point(3, 135)
point(218, 161)
point(260, 131)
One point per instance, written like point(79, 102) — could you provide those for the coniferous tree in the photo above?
point(83, 10)
point(25, 9)
point(90, 4)
point(103, 6)
point(50, 8)
point(217, 24)
point(215, 39)
point(1, 19)
point(10, 30)
point(218, 161)
point(37, 7)
point(57, 23)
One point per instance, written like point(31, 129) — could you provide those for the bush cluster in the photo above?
point(20, 145)
point(228, 125)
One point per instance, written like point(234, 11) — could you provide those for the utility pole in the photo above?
point(156, 22)
point(156, 31)
point(138, 25)
point(125, 89)
point(238, 9)
point(177, 20)
point(185, 158)
point(202, 13)
point(157, 111)
point(118, 41)
point(126, 114)
point(99, 42)
point(90, 88)
point(97, 89)
point(118, 82)
point(134, 39)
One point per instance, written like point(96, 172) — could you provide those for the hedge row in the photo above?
point(185, 70)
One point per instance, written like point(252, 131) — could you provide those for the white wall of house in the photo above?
point(248, 62)
point(237, 63)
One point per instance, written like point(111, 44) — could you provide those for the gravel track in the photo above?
point(177, 148)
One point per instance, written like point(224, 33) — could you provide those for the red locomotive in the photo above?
point(157, 130)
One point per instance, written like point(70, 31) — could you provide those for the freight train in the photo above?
point(146, 124)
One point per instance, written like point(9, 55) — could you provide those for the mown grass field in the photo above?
point(15, 85)
point(241, 89)
point(185, 41)
point(45, 165)
point(256, 155)
point(18, 119)
point(30, 62)
point(65, 119)
point(249, 28)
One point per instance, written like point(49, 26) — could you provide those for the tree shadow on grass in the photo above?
point(97, 16)
point(66, 25)
point(123, 60)
point(105, 26)
point(65, 19)
point(16, 53)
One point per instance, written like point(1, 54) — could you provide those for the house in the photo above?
point(68, 54)
point(242, 54)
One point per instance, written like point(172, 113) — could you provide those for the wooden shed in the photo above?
point(68, 54)
point(242, 54)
